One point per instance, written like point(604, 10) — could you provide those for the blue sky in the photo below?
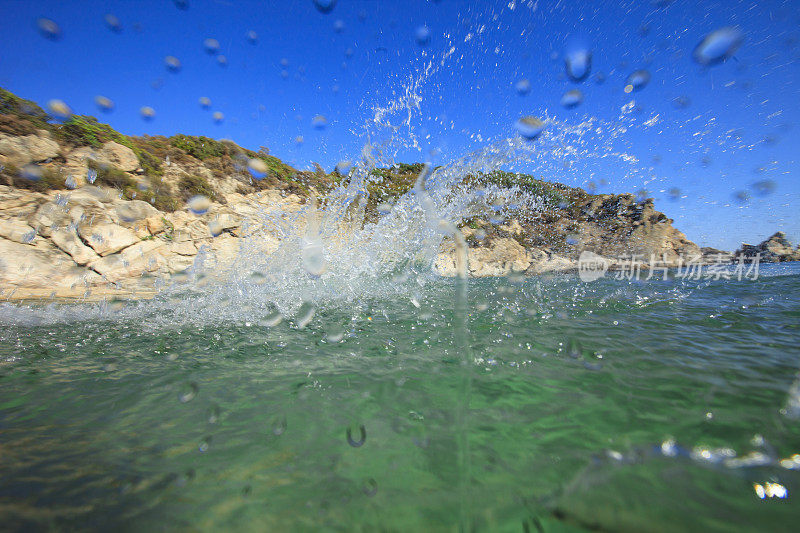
point(741, 126)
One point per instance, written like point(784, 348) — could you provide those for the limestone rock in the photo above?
point(16, 230)
point(119, 156)
point(24, 149)
point(106, 238)
point(774, 249)
point(68, 241)
point(132, 262)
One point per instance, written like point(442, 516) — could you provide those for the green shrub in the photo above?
point(201, 148)
point(197, 185)
point(50, 179)
point(112, 177)
point(80, 130)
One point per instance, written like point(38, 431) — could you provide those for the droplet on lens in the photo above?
point(105, 104)
point(198, 204)
point(370, 487)
point(49, 29)
point(359, 439)
point(324, 6)
point(222, 60)
point(189, 392)
point(637, 81)
point(338, 26)
point(257, 168)
point(113, 23)
point(173, 63)
point(59, 109)
point(205, 102)
point(523, 87)
point(572, 99)
point(319, 122)
point(147, 112)
point(252, 37)
point(529, 127)
point(423, 36)
point(211, 45)
point(578, 62)
point(215, 228)
point(218, 117)
point(718, 46)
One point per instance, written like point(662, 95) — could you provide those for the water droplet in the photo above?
point(384, 208)
point(147, 112)
point(523, 87)
point(674, 193)
point(211, 45)
point(189, 392)
point(741, 196)
point(681, 102)
point(272, 319)
point(319, 122)
point(343, 167)
point(764, 187)
point(198, 204)
point(252, 37)
point(31, 172)
point(70, 182)
point(173, 63)
point(578, 62)
point(59, 109)
point(205, 444)
point(279, 426)
point(113, 23)
point(637, 80)
point(222, 60)
point(103, 103)
point(324, 6)
point(49, 29)
point(304, 315)
point(718, 46)
point(91, 175)
point(205, 102)
point(257, 168)
point(218, 117)
point(423, 36)
point(299, 140)
point(370, 487)
point(529, 127)
point(215, 228)
point(362, 437)
point(572, 99)
point(338, 26)
point(335, 334)
point(213, 414)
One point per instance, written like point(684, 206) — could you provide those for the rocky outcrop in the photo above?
point(775, 249)
point(24, 149)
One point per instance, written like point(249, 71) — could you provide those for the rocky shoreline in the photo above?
point(88, 213)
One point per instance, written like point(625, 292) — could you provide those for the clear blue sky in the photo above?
point(741, 126)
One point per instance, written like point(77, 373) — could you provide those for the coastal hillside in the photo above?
point(85, 209)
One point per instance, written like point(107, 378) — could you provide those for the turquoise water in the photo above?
point(544, 404)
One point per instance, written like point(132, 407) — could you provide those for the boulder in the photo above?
point(774, 249)
point(119, 156)
point(17, 230)
point(106, 238)
point(132, 262)
point(68, 241)
point(24, 149)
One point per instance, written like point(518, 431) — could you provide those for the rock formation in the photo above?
point(775, 249)
point(86, 211)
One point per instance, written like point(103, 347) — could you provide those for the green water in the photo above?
point(547, 406)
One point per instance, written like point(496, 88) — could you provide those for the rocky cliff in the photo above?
point(86, 211)
point(774, 249)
